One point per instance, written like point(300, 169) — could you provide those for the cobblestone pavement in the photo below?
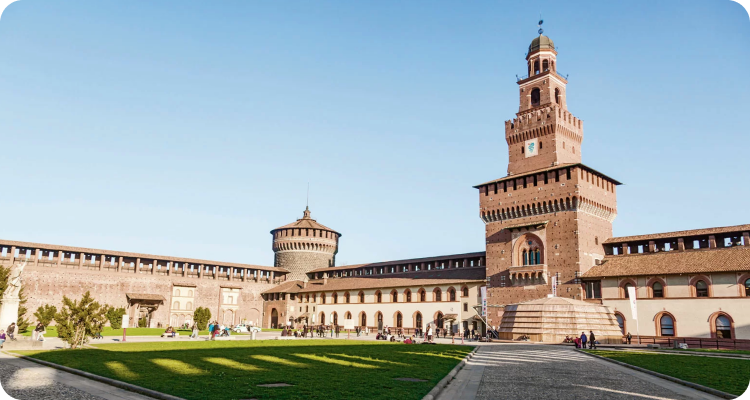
point(25, 380)
point(517, 371)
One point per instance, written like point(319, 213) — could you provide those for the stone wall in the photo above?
point(299, 262)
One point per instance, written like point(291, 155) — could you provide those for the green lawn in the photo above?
point(318, 369)
point(728, 375)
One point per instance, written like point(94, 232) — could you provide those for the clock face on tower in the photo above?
point(531, 147)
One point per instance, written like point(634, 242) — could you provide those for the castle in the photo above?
point(548, 227)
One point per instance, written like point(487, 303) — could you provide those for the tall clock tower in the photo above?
point(546, 220)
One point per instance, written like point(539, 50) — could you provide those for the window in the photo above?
point(701, 289)
point(176, 305)
point(525, 258)
point(658, 289)
point(593, 289)
point(466, 307)
point(557, 96)
point(394, 296)
point(535, 97)
point(346, 298)
point(363, 320)
point(177, 292)
point(747, 287)
point(620, 322)
point(545, 65)
point(361, 297)
point(465, 292)
point(419, 320)
point(723, 327)
point(438, 294)
point(667, 325)
point(399, 320)
point(190, 293)
point(625, 288)
point(422, 295)
point(189, 306)
point(379, 297)
point(335, 298)
point(451, 294)
point(407, 295)
point(348, 315)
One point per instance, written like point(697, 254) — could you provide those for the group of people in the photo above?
point(319, 330)
point(10, 334)
point(216, 329)
point(582, 340)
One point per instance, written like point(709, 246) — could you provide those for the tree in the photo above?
point(45, 314)
point(114, 315)
point(201, 316)
point(77, 321)
point(22, 323)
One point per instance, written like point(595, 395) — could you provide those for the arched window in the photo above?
point(394, 296)
point(465, 292)
point(361, 297)
point(537, 257)
point(557, 96)
point(176, 305)
point(346, 297)
point(545, 65)
point(189, 306)
point(723, 327)
point(438, 294)
point(379, 316)
point(658, 290)
point(335, 318)
point(313, 298)
point(451, 294)
point(322, 298)
point(747, 287)
point(322, 318)
point(666, 324)
point(422, 295)
point(439, 320)
point(307, 298)
point(525, 258)
point(625, 288)
point(348, 315)
point(177, 292)
point(363, 319)
point(378, 297)
point(399, 320)
point(701, 289)
point(335, 298)
point(620, 322)
point(535, 97)
point(418, 320)
point(536, 68)
point(407, 295)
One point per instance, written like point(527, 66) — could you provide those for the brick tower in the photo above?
point(304, 245)
point(546, 220)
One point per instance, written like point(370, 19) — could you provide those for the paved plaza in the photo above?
point(521, 371)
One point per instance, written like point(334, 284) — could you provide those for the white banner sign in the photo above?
point(531, 148)
point(125, 320)
point(484, 301)
point(348, 324)
point(554, 286)
point(633, 306)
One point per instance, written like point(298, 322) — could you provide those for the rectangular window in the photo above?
point(593, 290)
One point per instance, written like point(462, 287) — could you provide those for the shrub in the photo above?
point(77, 321)
point(201, 316)
point(143, 323)
point(114, 315)
point(45, 314)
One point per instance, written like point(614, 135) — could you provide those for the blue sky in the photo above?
point(192, 128)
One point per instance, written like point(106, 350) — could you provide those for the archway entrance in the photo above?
point(274, 318)
point(439, 320)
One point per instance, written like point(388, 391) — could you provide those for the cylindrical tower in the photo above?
point(303, 246)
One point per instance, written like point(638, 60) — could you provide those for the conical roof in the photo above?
point(306, 222)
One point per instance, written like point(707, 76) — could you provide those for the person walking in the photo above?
point(583, 340)
point(194, 333)
point(211, 329)
point(40, 331)
point(629, 336)
point(592, 340)
point(429, 333)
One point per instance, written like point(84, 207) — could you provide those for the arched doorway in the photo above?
point(274, 318)
point(399, 320)
point(418, 321)
point(322, 318)
point(379, 318)
point(363, 319)
point(335, 318)
point(439, 320)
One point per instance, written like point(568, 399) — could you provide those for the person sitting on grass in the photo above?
point(409, 340)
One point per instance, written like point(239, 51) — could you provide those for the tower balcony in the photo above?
point(522, 275)
point(537, 73)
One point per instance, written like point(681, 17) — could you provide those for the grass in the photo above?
point(318, 369)
point(727, 375)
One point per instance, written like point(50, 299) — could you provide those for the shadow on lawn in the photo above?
point(217, 371)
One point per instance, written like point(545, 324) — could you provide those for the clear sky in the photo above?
point(192, 128)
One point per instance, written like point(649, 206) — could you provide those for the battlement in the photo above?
point(538, 118)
